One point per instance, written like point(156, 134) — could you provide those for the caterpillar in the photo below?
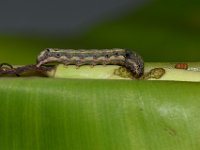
point(123, 57)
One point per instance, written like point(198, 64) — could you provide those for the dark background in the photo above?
point(67, 17)
point(159, 30)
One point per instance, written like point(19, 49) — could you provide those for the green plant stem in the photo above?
point(117, 72)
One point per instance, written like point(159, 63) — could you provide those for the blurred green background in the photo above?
point(159, 30)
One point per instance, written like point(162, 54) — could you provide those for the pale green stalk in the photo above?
point(117, 72)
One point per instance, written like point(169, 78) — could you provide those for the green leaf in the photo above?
point(40, 113)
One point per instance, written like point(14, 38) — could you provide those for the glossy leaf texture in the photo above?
point(60, 114)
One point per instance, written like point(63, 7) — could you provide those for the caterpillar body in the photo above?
point(131, 60)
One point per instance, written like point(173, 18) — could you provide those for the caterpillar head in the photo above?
point(48, 55)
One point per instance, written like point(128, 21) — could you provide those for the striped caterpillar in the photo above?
point(123, 57)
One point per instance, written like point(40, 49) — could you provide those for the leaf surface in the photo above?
point(63, 114)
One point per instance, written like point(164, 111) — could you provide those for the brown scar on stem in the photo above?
point(123, 72)
point(25, 70)
point(155, 73)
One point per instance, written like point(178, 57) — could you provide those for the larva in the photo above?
point(131, 60)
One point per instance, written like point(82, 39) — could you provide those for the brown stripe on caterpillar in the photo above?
point(131, 60)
